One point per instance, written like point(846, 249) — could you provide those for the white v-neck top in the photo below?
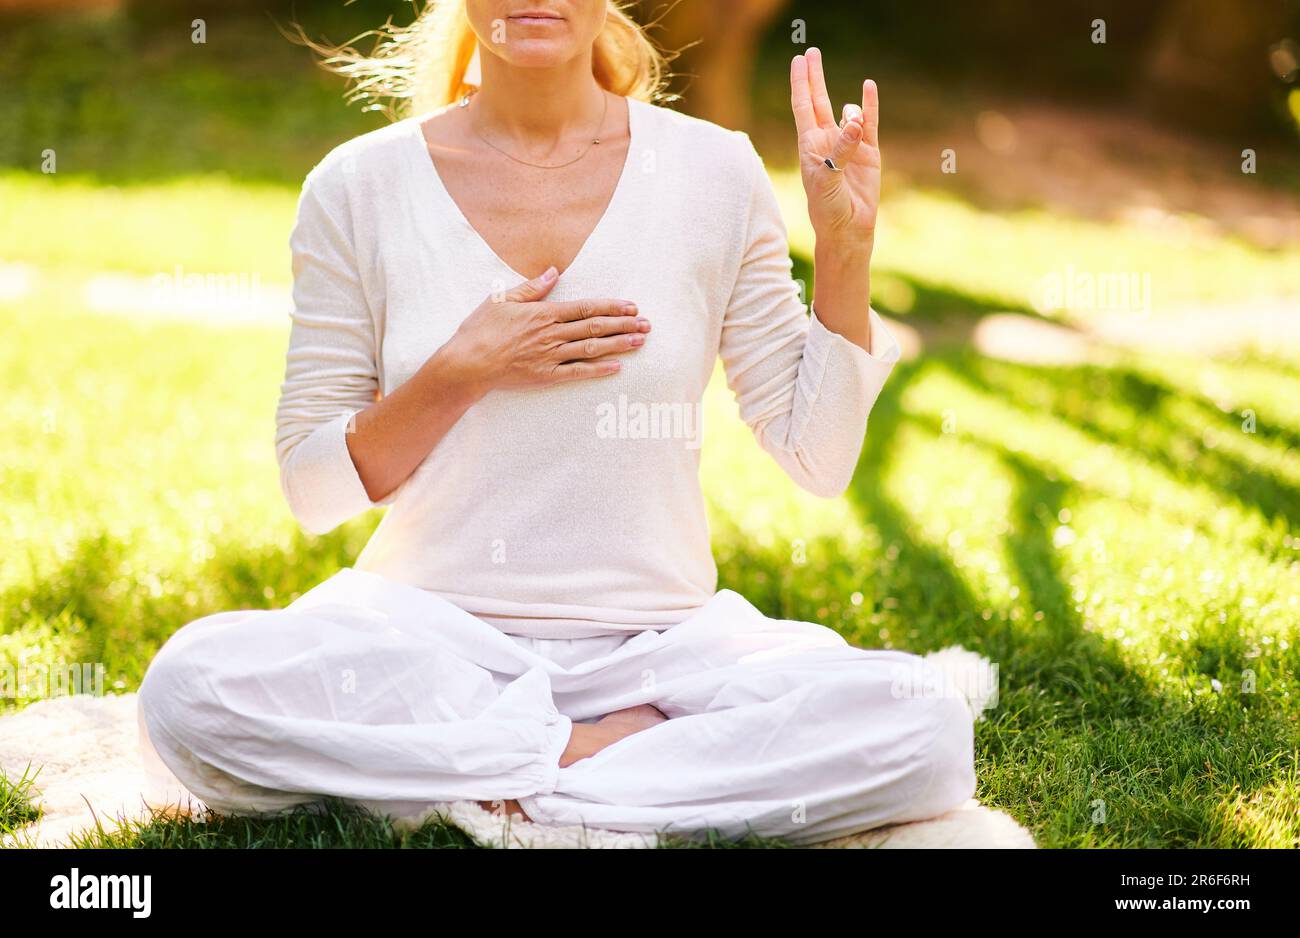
point(575, 509)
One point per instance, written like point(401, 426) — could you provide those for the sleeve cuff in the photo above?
point(323, 467)
point(885, 349)
point(558, 730)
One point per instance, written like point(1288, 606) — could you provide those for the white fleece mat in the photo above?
point(91, 772)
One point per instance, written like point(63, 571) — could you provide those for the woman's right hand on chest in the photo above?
point(519, 339)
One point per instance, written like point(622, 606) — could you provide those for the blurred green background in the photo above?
point(1085, 467)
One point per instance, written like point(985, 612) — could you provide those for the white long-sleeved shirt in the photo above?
point(573, 509)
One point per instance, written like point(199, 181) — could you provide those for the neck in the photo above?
point(539, 104)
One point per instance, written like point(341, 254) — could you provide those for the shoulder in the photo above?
point(701, 147)
point(373, 156)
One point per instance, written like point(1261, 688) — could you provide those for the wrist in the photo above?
point(844, 253)
point(842, 294)
point(843, 279)
point(456, 376)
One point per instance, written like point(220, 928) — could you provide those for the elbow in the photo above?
point(825, 469)
point(316, 524)
point(312, 516)
point(833, 489)
point(826, 484)
point(318, 479)
point(316, 508)
point(826, 478)
point(822, 464)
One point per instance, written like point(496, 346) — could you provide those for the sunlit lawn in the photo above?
point(1110, 536)
point(931, 241)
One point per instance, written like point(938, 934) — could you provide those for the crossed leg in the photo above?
point(775, 727)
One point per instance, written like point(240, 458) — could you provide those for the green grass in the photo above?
point(77, 223)
point(1109, 535)
point(16, 808)
point(937, 250)
point(128, 99)
point(940, 254)
point(330, 825)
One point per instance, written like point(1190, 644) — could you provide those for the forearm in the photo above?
point(843, 288)
point(390, 438)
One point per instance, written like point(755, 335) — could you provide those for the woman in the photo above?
point(535, 620)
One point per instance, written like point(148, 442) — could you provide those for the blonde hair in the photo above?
point(421, 67)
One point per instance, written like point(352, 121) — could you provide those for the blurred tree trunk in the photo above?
point(717, 69)
point(1208, 63)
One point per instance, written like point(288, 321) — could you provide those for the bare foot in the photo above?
point(587, 739)
point(642, 717)
point(504, 809)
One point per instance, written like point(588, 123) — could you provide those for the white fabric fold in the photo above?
point(379, 693)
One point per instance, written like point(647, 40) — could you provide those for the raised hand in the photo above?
point(842, 205)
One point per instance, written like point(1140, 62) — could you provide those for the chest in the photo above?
point(533, 218)
point(625, 229)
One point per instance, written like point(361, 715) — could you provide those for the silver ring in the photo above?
point(830, 164)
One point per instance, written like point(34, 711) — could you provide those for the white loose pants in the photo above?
point(389, 696)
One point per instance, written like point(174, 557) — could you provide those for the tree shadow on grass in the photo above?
point(925, 579)
point(1154, 755)
point(1283, 362)
point(1064, 687)
point(1151, 431)
point(950, 313)
point(933, 587)
point(1074, 728)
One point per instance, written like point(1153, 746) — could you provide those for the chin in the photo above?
point(538, 44)
point(537, 53)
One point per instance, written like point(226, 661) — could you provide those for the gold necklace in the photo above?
point(464, 102)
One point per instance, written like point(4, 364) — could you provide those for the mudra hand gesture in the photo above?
point(844, 194)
